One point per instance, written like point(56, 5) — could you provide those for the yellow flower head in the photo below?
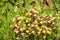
point(35, 21)
point(16, 31)
point(18, 18)
point(13, 20)
point(35, 15)
point(19, 22)
point(22, 34)
point(40, 29)
point(44, 37)
point(32, 25)
point(44, 31)
point(28, 24)
point(38, 17)
point(27, 31)
point(49, 21)
point(30, 14)
point(27, 20)
point(36, 26)
point(35, 11)
point(21, 29)
point(24, 25)
point(59, 18)
point(24, 28)
point(26, 14)
point(32, 32)
point(48, 32)
point(17, 38)
point(41, 22)
point(53, 22)
point(38, 32)
point(50, 29)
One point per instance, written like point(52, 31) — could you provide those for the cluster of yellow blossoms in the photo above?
point(35, 24)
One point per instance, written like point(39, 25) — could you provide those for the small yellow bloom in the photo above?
point(26, 14)
point(50, 15)
point(49, 21)
point(35, 15)
point(41, 22)
point(44, 31)
point(40, 29)
point(27, 31)
point(27, 21)
point(18, 18)
point(21, 29)
point(29, 28)
point(30, 14)
point(33, 32)
point(22, 34)
point(36, 26)
point(24, 28)
point(35, 11)
point(38, 17)
point(16, 31)
point(58, 17)
point(38, 32)
point(49, 29)
point(48, 32)
point(17, 38)
point(19, 22)
point(52, 18)
point(35, 21)
point(23, 17)
point(53, 22)
point(24, 24)
point(13, 20)
point(44, 37)
point(32, 25)
point(16, 25)
point(28, 24)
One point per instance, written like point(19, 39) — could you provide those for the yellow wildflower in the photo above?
point(27, 31)
point(33, 32)
point(38, 32)
point(32, 25)
point(44, 31)
point(24, 24)
point(17, 38)
point(22, 34)
point(48, 32)
point(36, 26)
point(27, 21)
point(44, 37)
point(35, 15)
point(30, 14)
point(41, 22)
point(16, 31)
point(35, 21)
point(21, 29)
point(28, 24)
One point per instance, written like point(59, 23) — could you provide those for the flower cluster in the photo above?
point(34, 24)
